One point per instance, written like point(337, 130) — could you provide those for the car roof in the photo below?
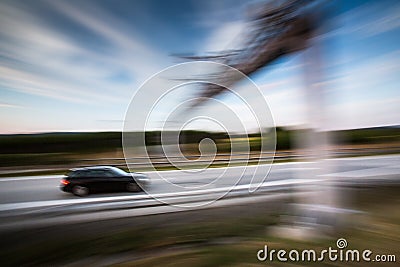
point(93, 168)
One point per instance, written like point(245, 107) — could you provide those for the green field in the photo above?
point(55, 150)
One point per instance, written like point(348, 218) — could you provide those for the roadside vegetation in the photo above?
point(57, 152)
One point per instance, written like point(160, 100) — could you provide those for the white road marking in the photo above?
point(380, 171)
point(36, 204)
point(25, 178)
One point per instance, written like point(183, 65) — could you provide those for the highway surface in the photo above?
point(40, 194)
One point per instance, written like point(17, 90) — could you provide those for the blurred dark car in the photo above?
point(83, 181)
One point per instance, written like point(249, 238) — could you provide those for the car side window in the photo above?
point(85, 174)
point(96, 173)
point(92, 174)
point(108, 173)
point(100, 173)
point(74, 174)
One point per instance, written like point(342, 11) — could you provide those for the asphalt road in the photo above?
point(45, 188)
point(29, 202)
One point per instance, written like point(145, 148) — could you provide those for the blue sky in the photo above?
point(74, 65)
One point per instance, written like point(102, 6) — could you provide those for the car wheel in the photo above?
point(133, 187)
point(81, 191)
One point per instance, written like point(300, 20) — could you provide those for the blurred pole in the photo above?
point(319, 209)
point(316, 213)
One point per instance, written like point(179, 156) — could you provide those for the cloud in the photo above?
point(366, 113)
point(213, 14)
point(377, 75)
point(41, 60)
point(226, 37)
point(7, 105)
point(224, 20)
point(122, 36)
point(365, 21)
point(373, 19)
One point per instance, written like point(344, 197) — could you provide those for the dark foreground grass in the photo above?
point(220, 237)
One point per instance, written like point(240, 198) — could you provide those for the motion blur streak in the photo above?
point(327, 77)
